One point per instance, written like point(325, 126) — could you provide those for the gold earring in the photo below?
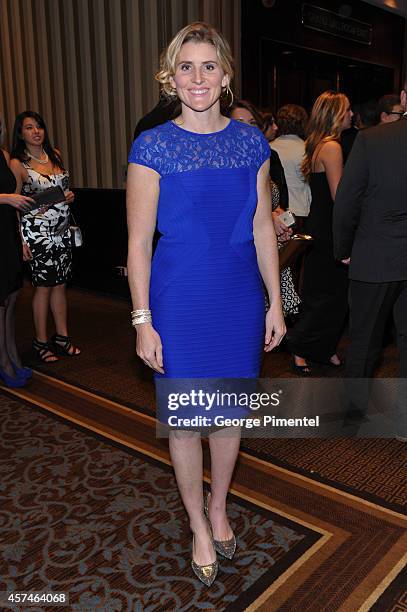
point(173, 92)
point(229, 92)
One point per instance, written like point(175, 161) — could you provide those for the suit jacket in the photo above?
point(347, 139)
point(370, 212)
point(162, 112)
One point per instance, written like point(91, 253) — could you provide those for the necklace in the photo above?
point(40, 161)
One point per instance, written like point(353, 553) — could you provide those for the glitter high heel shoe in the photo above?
point(205, 573)
point(226, 548)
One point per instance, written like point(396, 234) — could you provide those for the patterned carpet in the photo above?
point(85, 515)
point(395, 597)
point(373, 468)
point(365, 545)
point(107, 526)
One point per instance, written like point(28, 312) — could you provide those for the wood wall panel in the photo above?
point(17, 40)
point(87, 66)
point(29, 42)
point(7, 79)
point(59, 83)
point(44, 84)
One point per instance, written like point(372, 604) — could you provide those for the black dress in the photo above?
point(11, 253)
point(278, 177)
point(325, 285)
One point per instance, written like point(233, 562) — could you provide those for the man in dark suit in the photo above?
point(163, 111)
point(370, 233)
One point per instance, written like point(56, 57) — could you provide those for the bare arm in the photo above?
point(16, 200)
point(143, 190)
point(17, 169)
point(20, 174)
point(331, 158)
point(69, 195)
point(267, 257)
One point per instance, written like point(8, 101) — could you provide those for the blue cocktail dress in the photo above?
point(206, 293)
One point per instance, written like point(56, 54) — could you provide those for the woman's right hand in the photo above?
point(18, 201)
point(283, 232)
point(149, 347)
point(27, 255)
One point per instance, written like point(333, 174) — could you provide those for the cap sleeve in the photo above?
point(143, 151)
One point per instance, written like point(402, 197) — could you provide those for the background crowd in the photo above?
point(307, 159)
point(226, 184)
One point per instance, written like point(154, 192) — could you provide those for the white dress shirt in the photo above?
point(291, 149)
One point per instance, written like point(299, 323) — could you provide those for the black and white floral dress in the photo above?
point(47, 233)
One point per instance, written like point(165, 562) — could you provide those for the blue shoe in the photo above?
point(12, 383)
point(22, 372)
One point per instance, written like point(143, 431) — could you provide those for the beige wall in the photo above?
point(87, 66)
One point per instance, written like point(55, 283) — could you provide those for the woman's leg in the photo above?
point(40, 312)
point(59, 308)
point(5, 362)
point(41, 301)
point(186, 456)
point(10, 329)
point(224, 446)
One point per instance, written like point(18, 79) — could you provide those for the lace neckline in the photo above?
point(200, 134)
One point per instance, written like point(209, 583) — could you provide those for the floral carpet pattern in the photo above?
point(108, 527)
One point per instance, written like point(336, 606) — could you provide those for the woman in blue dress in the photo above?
point(199, 305)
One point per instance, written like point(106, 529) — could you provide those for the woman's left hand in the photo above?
point(285, 237)
point(27, 255)
point(282, 230)
point(69, 197)
point(275, 327)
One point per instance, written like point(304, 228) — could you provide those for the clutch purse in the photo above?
point(289, 252)
point(76, 236)
point(76, 233)
point(45, 199)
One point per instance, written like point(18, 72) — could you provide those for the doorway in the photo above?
point(290, 74)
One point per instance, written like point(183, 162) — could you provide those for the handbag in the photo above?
point(75, 231)
point(45, 199)
point(291, 249)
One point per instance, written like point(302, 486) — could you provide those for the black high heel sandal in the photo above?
point(330, 363)
point(43, 351)
point(301, 370)
point(64, 346)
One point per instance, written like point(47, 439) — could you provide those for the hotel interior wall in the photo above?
point(87, 66)
point(266, 29)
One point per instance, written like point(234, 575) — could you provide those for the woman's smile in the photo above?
point(198, 78)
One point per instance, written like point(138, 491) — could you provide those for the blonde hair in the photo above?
point(198, 32)
point(325, 124)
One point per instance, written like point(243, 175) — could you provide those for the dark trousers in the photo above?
point(370, 307)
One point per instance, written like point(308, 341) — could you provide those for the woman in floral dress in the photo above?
point(37, 166)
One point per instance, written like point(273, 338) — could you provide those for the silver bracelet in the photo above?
point(141, 315)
